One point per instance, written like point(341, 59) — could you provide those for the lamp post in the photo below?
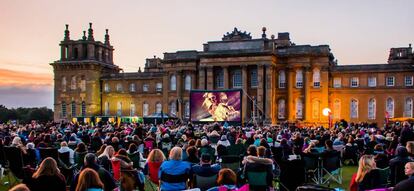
point(327, 112)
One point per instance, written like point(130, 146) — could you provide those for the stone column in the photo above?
point(290, 102)
point(165, 92)
point(180, 89)
point(244, 98)
point(260, 88)
point(210, 78)
point(307, 86)
point(201, 78)
point(226, 77)
point(273, 101)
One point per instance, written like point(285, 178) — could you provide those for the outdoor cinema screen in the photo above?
point(215, 105)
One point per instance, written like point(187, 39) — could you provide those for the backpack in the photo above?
point(243, 188)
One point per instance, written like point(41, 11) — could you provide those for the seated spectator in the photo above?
point(192, 155)
point(64, 149)
point(155, 159)
point(101, 150)
point(174, 173)
point(89, 181)
point(135, 156)
point(90, 161)
point(259, 162)
point(205, 168)
point(397, 165)
point(368, 176)
point(410, 149)
point(381, 159)
point(47, 177)
point(223, 141)
point(17, 142)
point(205, 148)
point(105, 158)
point(80, 153)
point(407, 184)
point(227, 180)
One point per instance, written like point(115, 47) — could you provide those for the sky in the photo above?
point(358, 32)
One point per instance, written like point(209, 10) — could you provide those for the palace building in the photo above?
point(281, 81)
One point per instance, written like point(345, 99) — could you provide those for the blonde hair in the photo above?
point(88, 178)
point(48, 167)
point(107, 150)
point(175, 153)
point(366, 164)
point(156, 155)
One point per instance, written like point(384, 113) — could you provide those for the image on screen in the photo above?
point(215, 106)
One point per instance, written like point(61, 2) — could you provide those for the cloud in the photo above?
point(10, 78)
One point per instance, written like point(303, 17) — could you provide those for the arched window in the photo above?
point(354, 108)
point(299, 78)
point(372, 108)
point(390, 107)
point(73, 83)
point(83, 83)
point(173, 83)
point(145, 109)
point(253, 78)
point(106, 109)
point(282, 79)
point(73, 108)
point(106, 87)
point(299, 108)
point(158, 107)
point(75, 53)
point(316, 78)
point(187, 109)
point(83, 109)
point(119, 108)
point(64, 109)
point(132, 109)
point(63, 84)
point(119, 87)
point(187, 83)
point(408, 107)
point(219, 78)
point(337, 109)
point(173, 108)
point(316, 109)
point(237, 79)
point(158, 87)
point(281, 109)
point(132, 87)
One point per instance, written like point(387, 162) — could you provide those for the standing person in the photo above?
point(407, 184)
point(89, 181)
point(155, 159)
point(47, 177)
point(175, 172)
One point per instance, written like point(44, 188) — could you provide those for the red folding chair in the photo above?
point(116, 169)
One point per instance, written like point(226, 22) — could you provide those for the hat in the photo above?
point(205, 157)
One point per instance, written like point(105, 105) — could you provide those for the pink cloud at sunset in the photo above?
point(10, 78)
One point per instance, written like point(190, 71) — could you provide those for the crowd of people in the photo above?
point(210, 156)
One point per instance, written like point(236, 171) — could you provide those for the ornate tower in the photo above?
point(77, 91)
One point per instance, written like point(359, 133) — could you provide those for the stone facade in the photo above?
point(280, 81)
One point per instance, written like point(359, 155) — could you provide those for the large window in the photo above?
point(337, 109)
point(64, 109)
point(73, 108)
point(390, 81)
point(106, 87)
point(389, 107)
point(316, 109)
point(83, 109)
point(408, 107)
point(173, 83)
point(158, 107)
point(219, 78)
point(299, 109)
point(145, 88)
point(106, 110)
point(372, 81)
point(83, 84)
point(119, 87)
point(187, 109)
point(63, 84)
point(408, 80)
point(253, 78)
point(316, 78)
point(145, 109)
point(158, 87)
point(187, 83)
point(282, 79)
point(132, 109)
point(73, 83)
point(281, 109)
point(173, 108)
point(237, 79)
point(119, 109)
point(354, 109)
point(372, 108)
point(354, 82)
point(299, 78)
point(337, 83)
point(132, 87)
